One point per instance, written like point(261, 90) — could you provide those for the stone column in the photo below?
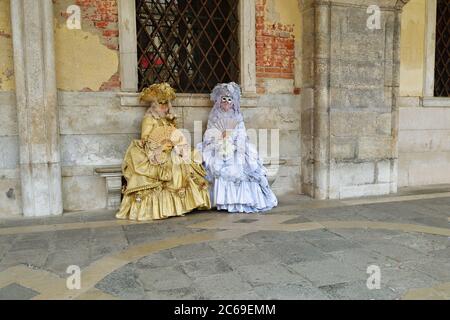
point(355, 108)
point(37, 108)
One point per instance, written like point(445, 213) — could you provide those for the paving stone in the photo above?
point(298, 220)
point(15, 291)
point(122, 283)
point(290, 292)
point(217, 286)
point(332, 245)
point(366, 234)
point(8, 239)
point(20, 245)
point(394, 251)
point(262, 237)
point(4, 248)
point(292, 252)
point(245, 257)
point(135, 239)
point(99, 251)
point(205, 267)
point(193, 252)
point(361, 258)
point(438, 254)
point(72, 239)
point(60, 260)
point(315, 264)
point(33, 257)
point(151, 235)
point(231, 245)
point(176, 294)
point(438, 270)
point(421, 242)
point(249, 295)
point(106, 234)
point(157, 260)
point(431, 221)
point(310, 235)
point(326, 272)
point(358, 291)
point(401, 281)
point(99, 216)
point(142, 227)
point(166, 278)
point(269, 274)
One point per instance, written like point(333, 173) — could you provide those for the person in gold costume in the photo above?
point(164, 178)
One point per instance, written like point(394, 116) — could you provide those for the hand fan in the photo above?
point(226, 124)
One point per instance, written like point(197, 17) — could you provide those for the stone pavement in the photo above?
point(304, 249)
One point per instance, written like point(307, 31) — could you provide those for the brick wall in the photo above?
point(99, 17)
point(275, 48)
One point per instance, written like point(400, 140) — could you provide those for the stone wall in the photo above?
point(424, 146)
point(424, 131)
point(350, 90)
point(10, 191)
point(96, 131)
point(338, 136)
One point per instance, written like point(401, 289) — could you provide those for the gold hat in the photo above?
point(161, 93)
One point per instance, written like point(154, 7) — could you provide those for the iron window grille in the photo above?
point(442, 68)
point(191, 44)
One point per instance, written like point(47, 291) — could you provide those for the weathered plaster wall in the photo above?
point(278, 38)
point(412, 48)
point(94, 130)
point(278, 72)
point(87, 59)
point(6, 48)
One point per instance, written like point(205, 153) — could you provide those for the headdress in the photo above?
point(231, 90)
point(161, 93)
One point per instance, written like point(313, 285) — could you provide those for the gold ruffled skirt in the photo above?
point(161, 191)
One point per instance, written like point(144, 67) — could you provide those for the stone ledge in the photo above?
point(436, 102)
point(248, 100)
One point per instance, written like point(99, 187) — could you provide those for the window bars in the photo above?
point(191, 44)
point(442, 68)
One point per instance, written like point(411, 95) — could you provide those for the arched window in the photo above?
point(192, 44)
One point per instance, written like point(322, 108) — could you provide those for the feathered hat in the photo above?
point(161, 93)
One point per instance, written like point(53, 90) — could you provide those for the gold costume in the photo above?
point(161, 182)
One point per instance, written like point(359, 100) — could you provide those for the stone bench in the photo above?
point(113, 177)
